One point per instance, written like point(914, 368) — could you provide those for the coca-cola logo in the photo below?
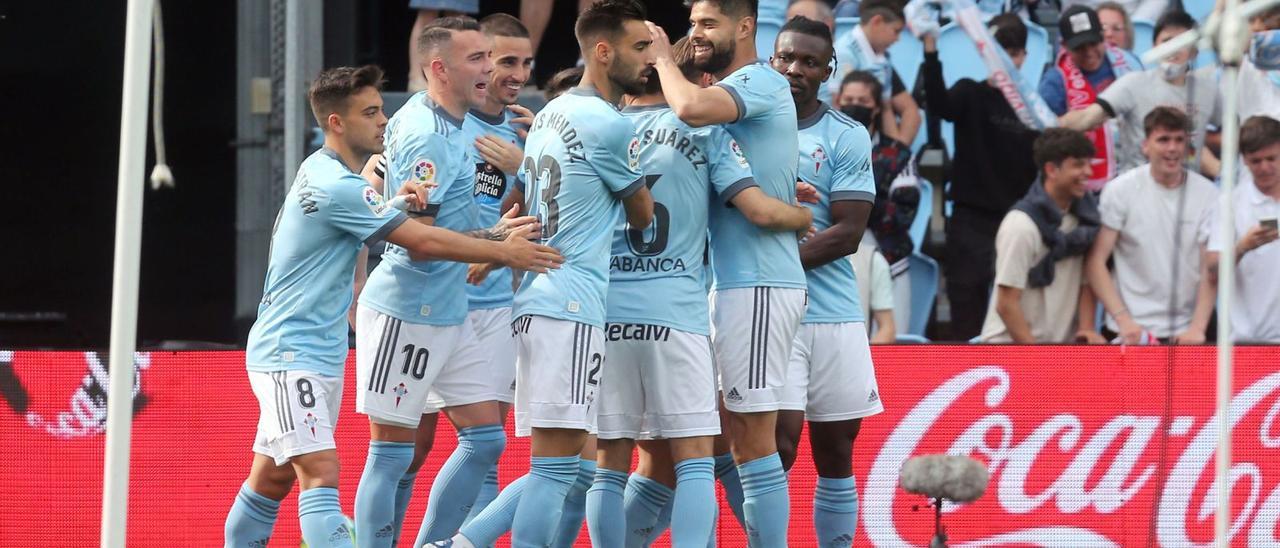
point(1046, 477)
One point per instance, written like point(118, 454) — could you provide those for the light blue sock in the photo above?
point(766, 504)
point(404, 493)
point(495, 520)
point(376, 494)
point(575, 506)
point(320, 516)
point(644, 502)
point(664, 521)
point(454, 489)
point(250, 520)
point(488, 492)
point(606, 520)
point(835, 511)
point(538, 513)
point(727, 473)
point(694, 508)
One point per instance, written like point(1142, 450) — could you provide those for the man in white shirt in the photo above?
point(1040, 249)
point(1149, 220)
point(1259, 90)
point(1255, 316)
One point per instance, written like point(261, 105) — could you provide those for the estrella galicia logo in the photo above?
point(491, 183)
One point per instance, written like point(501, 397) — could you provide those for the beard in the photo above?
point(627, 78)
point(721, 57)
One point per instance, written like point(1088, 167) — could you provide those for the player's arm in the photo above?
point(375, 171)
point(848, 222)
point(1009, 307)
point(639, 207)
point(361, 275)
point(693, 104)
point(770, 213)
point(429, 242)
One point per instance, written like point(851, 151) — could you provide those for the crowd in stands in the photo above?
point(1101, 229)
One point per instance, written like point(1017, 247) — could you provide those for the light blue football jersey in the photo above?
point(581, 159)
point(743, 255)
point(425, 144)
point(656, 274)
point(835, 157)
point(491, 187)
point(328, 214)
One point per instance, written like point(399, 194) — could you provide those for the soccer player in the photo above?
point(758, 298)
point(411, 321)
point(297, 347)
point(830, 381)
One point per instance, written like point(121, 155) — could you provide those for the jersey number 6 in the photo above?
point(661, 224)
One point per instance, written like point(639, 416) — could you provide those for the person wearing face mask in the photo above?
point(1172, 83)
point(1259, 86)
point(991, 170)
point(1086, 67)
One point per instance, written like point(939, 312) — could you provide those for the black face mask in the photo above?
point(858, 112)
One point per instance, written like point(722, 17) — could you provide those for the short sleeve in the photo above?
point(730, 173)
point(354, 207)
point(1017, 241)
point(752, 99)
point(852, 178)
point(1053, 91)
point(1122, 95)
point(425, 159)
point(881, 283)
point(616, 158)
point(1113, 206)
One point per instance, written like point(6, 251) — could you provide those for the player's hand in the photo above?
point(500, 152)
point(416, 194)
point(807, 233)
point(806, 193)
point(477, 272)
point(1089, 336)
point(523, 120)
point(510, 222)
point(1190, 336)
point(1256, 237)
point(661, 45)
point(523, 254)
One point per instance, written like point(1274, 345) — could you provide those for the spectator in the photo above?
point(896, 204)
point(992, 169)
point(1089, 66)
point(816, 10)
point(1172, 83)
point(1255, 318)
point(1143, 10)
point(1259, 90)
point(1040, 291)
point(536, 15)
point(428, 11)
point(1117, 28)
point(866, 48)
point(1149, 220)
point(875, 292)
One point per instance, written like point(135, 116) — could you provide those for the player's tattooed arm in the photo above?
point(506, 225)
point(848, 222)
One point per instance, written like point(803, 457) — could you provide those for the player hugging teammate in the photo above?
point(677, 296)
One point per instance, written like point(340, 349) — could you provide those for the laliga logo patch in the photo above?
point(424, 171)
point(633, 153)
point(737, 153)
point(374, 201)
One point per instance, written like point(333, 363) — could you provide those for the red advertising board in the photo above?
point(1083, 446)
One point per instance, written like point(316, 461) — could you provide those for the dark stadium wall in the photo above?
point(62, 65)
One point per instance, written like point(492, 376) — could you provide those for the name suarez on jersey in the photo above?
point(558, 123)
point(671, 137)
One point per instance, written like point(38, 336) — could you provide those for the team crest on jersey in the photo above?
point(374, 200)
point(311, 420)
point(818, 156)
point(400, 392)
point(633, 153)
point(737, 153)
point(424, 170)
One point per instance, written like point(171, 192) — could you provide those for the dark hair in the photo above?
point(889, 10)
point(1257, 133)
point(330, 90)
point(1166, 117)
point(805, 25)
point(439, 32)
point(1057, 144)
point(870, 80)
point(1269, 17)
point(501, 24)
point(605, 19)
point(562, 81)
point(1173, 18)
point(1010, 31)
point(736, 8)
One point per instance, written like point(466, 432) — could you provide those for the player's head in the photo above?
point(1063, 157)
point(560, 82)
point(803, 54)
point(1011, 33)
point(512, 56)
point(347, 103)
point(613, 36)
point(1168, 131)
point(813, 9)
point(719, 28)
point(1260, 146)
point(882, 22)
point(1169, 25)
point(455, 58)
point(860, 98)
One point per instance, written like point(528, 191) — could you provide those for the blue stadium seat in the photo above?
point(844, 25)
point(923, 274)
point(920, 223)
point(766, 34)
point(1198, 9)
point(906, 55)
point(1144, 34)
point(1039, 53)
